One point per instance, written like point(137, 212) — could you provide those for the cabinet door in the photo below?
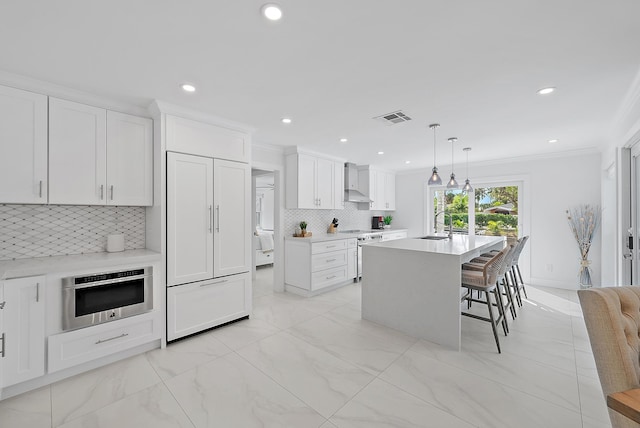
point(23, 147)
point(77, 153)
point(307, 198)
point(379, 201)
point(232, 218)
point(189, 218)
point(390, 191)
point(195, 307)
point(338, 185)
point(324, 183)
point(129, 160)
point(23, 319)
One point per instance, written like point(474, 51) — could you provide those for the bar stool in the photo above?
point(503, 276)
point(515, 269)
point(486, 281)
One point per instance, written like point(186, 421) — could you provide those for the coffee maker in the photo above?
point(377, 222)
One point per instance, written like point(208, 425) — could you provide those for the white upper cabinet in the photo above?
point(204, 139)
point(232, 217)
point(189, 218)
point(77, 153)
point(23, 147)
point(380, 186)
point(98, 157)
point(129, 159)
point(312, 182)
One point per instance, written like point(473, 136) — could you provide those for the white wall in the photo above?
point(552, 185)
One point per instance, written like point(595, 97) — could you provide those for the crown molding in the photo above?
point(269, 148)
point(158, 107)
point(58, 91)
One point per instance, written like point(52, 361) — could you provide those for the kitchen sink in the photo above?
point(434, 237)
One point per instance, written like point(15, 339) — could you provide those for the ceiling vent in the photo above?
point(393, 117)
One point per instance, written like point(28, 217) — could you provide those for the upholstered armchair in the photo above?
point(612, 316)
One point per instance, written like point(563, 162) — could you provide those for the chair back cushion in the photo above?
point(612, 317)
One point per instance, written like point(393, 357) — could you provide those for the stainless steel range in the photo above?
point(364, 237)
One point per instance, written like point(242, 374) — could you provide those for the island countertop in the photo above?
point(458, 245)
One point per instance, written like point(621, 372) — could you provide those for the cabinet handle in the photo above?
point(112, 192)
point(112, 338)
point(2, 305)
point(218, 218)
point(330, 246)
point(37, 292)
point(210, 218)
point(101, 191)
point(3, 342)
point(40, 189)
point(331, 260)
point(331, 277)
point(214, 283)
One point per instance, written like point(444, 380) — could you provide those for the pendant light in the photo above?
point(467, 187)
point(452, 184)
point(435, 178)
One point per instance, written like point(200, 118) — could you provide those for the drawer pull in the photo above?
point(2, 305)
point(4, 339)
point(112, 338)
point(40, 194)
point(213, 283)
point(331, 260)
point(330, 246)
point(331, 277)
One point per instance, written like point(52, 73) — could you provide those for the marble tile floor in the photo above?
point(314, 363)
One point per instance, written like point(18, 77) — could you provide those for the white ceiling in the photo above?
point(332, 65)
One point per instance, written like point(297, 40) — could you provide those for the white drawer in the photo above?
point(328, 260)
point(263, 258)
point(326, 246)
point(80, 346)
point(201, 305)
point(328, 277)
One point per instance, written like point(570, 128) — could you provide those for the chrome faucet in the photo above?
point(435, 223)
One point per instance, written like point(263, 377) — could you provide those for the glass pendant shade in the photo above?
point(452, 184)
point(435, 178)
point(467, 186)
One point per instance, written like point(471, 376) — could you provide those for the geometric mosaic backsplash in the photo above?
point(55, 230)
point(319, 220)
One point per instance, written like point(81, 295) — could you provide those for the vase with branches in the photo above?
point(583, 222)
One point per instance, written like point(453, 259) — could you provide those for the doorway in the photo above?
point(264, 222)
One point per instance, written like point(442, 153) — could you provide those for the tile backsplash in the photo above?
point(318, 220)
point(53, 230)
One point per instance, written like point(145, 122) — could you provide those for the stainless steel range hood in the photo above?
point(352, 191)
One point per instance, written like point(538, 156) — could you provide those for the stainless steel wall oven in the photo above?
point(103, 297)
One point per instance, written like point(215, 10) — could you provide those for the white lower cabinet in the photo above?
point(86, 344)
point(313, 266)
point(194, 307)
point(23, 333)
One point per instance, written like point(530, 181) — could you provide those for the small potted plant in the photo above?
point(387, 221)
point(303, 228)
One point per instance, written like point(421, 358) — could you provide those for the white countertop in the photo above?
point(48, 265)
point(458, 245)
point(319, 237)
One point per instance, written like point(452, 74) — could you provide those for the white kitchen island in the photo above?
point(413, 285)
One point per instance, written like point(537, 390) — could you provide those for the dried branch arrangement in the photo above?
point(583, 221)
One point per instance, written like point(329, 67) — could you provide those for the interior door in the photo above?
point(189, 218)
point(232, 217)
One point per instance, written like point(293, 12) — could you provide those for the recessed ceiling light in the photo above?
point(188, 87)
point(555, 140)
point(343, 140)
point(546, 91)
point(286, 120)
point(272, 12)
point(407, 162)
point(380, 153)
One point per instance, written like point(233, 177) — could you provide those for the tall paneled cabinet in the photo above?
point(208, 217)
